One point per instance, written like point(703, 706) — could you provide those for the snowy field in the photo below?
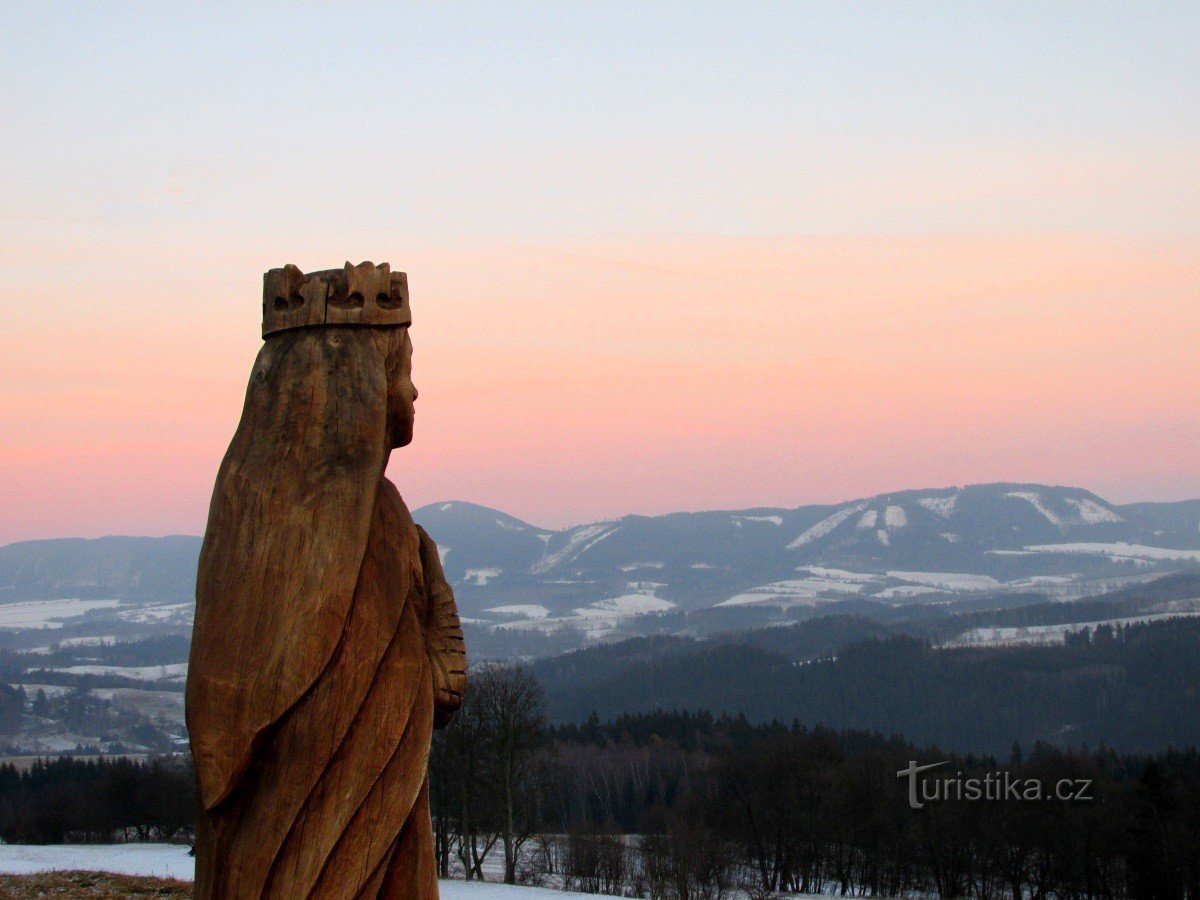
point(172, 861)
point(998, 636)
point(47, 613)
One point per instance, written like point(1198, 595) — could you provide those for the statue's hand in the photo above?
point(443, 636)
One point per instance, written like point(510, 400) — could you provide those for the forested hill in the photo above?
point(1133, 688)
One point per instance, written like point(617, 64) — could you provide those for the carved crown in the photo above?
point(366, 294)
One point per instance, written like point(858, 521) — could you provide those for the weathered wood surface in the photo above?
point(366, 294)
point(326, 640)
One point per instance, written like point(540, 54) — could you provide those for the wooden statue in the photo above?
point(327, 645)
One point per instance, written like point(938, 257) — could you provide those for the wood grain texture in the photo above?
point(326, 640)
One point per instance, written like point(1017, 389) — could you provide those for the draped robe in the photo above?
point(326, 644)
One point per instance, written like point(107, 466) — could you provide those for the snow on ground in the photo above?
point(161, 860)
point(524, 610)
point(826, 525)
point(1034, 499)
point(908, 590)
point(1047, 634)
point(473, 890)
point(596, 619)
point(624, 606)
point(1115, 551)
point(632, 567)
point(145, 673)
point(895, 517)
point(47, 613)
point(50, 690)
point(481, 576)
point(167, 612)
point(942, 506)
point(1092, 513)
point(807, 591)
point(99, 640)
point(868, 519)
point(580, 540)
point(172, 861)
point(951, 581)
point(770, 520)
point(822, 585)
point(882, 535)
point(839, 574)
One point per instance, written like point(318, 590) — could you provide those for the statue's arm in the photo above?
point(443, 635)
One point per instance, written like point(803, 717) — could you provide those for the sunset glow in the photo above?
point(624, 302)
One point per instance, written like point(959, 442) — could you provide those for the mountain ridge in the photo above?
point(527, 590)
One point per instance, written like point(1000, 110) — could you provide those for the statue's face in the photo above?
point(402, 394)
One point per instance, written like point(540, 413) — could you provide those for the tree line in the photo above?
point(97, 799)
point(696, 806)
point(1130, 686)
point(687, 806)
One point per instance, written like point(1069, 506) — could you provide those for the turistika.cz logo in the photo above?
point(998, 785)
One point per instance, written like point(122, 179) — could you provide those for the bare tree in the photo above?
point(512, 708)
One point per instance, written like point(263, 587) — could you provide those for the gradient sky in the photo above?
point(662, 256)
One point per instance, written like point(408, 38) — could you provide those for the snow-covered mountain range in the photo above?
point(527, 589)
point(911, 546)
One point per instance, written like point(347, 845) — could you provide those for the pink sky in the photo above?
point(661, 259)
point(575, 381)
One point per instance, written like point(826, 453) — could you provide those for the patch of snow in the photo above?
point(839, 574)
point(804, 591)
point(694, 566)
point(1092, 513)
point(1041, 581)
point(597, 619)
point(145, 673)
point(804, 585)
point(907, 590)
point(100, 640)
point(172, 861)
point(48, 613)
point(444, 507)
point(526, 610)
point(50, 690)
point(1117, 551)
point(167, 612)
point(942, 506)
point(481, 576)
point(623, 606)
point(1035, 500)
point(868, 519)
point(631, 567)
point(1048, 634)
point(882, 535)
point(750, 598)
point(826, 525)
point(951, 581)
point(951, 538)
point(509, 526)
point(895, 517)
point(772, 520)
point(579, 540)
point(645, 587)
